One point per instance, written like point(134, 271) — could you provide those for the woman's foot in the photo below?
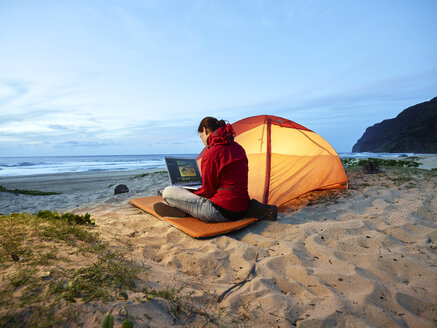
point(163, 209)
point(261, 211)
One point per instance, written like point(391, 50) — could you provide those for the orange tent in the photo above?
point(286, 159)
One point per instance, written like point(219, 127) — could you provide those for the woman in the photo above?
point(223, 195)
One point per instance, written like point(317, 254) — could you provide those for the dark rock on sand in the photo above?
point(120, 189)
point(412, 131)
point(371, 167)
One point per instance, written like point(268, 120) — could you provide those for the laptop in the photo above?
point(183, 172)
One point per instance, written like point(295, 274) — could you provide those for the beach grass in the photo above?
point(35, 278)
point(28, 192)
point(358, 163)
point(51, 263)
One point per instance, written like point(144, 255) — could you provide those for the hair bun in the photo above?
point(211, 124)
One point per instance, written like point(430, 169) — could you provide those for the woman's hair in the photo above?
point(211, 124)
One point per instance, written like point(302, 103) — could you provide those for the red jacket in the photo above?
point(225, 169)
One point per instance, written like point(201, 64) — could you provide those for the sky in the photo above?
point(136, 77)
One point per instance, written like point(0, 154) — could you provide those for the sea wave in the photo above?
point(19, 166)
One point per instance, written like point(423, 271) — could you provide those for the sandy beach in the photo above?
point(77, 189)
point(361, 257)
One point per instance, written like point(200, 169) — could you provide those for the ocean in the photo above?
point(19, 166)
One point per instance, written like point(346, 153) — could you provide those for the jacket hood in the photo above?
point(223, 135)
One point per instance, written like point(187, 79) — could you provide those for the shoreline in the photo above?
point(56, 177)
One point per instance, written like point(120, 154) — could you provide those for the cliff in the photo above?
point(414, 130)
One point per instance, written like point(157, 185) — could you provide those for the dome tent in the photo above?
point(286, 159)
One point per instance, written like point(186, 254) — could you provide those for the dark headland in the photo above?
point(414, 130)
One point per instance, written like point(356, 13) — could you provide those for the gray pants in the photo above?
point(197, 206)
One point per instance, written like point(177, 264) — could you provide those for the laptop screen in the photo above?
point(183, 171)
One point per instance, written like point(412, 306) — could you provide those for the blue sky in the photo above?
point(136, 77)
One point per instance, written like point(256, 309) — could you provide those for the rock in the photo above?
point(120, 189)
point(371, 167)
point(412, 131)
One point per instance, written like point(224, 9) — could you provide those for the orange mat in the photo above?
point(191, 226)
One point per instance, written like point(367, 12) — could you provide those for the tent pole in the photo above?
point(268, 161)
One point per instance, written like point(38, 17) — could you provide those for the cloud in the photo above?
point(355, 101)
point(83, 144)
point(10, 90)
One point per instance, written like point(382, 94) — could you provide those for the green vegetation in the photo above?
point(69, 217)
point(108, 322)
point(28, 192)
point(35, 277)
point(127, 324)
point(52, 264)
point(355, 163)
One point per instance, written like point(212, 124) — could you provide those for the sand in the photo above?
point(78, 189)
point(362, 257)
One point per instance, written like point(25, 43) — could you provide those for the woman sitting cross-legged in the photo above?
point(223, 196)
